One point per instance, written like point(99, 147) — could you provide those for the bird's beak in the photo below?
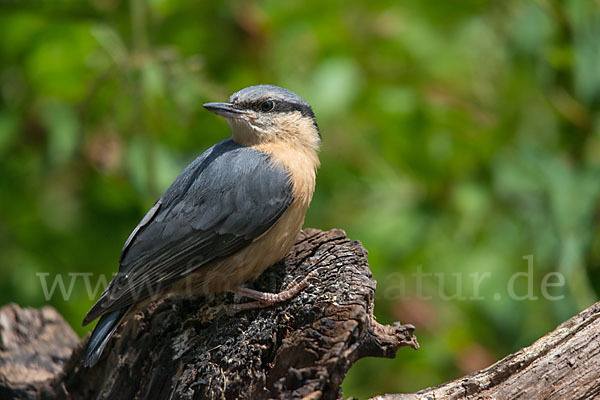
point(225, 110)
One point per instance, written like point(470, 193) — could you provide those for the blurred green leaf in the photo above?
point(335, 84)
point(9, 125)
point(110, 41)
point(63, 131)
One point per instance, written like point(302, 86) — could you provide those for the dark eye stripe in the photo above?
point(278, 106)
point(282, 106)
point(288, 107)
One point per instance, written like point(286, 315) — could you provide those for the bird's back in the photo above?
point(218, 205)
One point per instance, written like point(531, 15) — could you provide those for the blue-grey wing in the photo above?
point(218, 205)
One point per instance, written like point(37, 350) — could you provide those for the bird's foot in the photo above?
point(264, 299)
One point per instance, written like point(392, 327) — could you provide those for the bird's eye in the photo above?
point(267, 105)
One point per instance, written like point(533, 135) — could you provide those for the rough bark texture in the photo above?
point(34, 345)
point(191, 349)
point(564, 364)
point(303, 348)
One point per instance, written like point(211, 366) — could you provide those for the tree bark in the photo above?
point(564, 364)
point(191, 349)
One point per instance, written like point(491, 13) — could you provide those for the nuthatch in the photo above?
point(233, 212)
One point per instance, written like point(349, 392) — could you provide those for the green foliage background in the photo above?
point(458, 138)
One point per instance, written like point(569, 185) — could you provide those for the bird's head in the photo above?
point(267, 113)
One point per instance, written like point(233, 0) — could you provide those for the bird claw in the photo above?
point(313, 276)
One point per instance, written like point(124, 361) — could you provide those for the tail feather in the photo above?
point(102, 332)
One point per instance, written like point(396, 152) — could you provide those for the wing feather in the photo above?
point(218, 205)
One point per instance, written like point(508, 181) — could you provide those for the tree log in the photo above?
point(191, 349)
point(564, 364)
point(34, 345)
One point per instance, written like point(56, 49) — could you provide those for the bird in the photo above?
point(233, 212)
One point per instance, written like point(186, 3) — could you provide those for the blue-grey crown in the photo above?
point(286, 100)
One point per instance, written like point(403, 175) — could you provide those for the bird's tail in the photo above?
point(102, 332)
